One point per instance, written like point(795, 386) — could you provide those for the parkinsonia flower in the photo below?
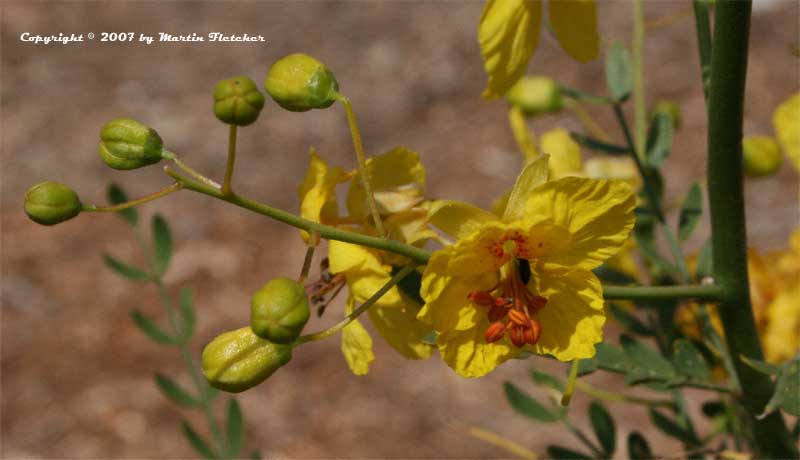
point(525, 281)
point(398, 181)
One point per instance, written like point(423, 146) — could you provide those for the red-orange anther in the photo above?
point(518, 318)
point(536, 303)
point(495, 332)
point(517, 335)
point(536, 331)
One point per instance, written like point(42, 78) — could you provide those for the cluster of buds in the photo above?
point(237, 360)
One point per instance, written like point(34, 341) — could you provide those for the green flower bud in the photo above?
point(237, 101)
point(128, 144)
point(536, 95)
point(299, 82)
point(279, 310)
point(672, 110)
point(762, 156)
point(49, 203)
point(237, 360)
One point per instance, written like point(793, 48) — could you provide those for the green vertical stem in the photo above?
point(703, 26)
point(637, 52)
point(726, 196)
point(226, 184)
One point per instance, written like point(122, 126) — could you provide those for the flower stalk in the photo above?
point(132, 203)
point(362, 162)
point(226, 184)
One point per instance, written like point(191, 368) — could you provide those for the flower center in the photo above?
point(511, 307)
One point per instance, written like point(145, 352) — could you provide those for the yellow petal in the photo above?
point(572, 321)
point(397, 178)
point(402, 330)
point(786, 121)
point(574, 24)
point(508, 33)
point(467, 352)
point(317, 192)
point(364, 272)
point(446, 304)
point(410, 226)
point(356, 344)
point(456, 218)
point(613, 168)
point(565, 153)
point(522, 133)
point(781, 340)
point(597, 213)
point(533, 175)
point(499, 205)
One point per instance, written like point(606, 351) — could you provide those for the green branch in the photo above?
point(728, 234)
point(702, 292)
point(418, 255)
point(703, 26)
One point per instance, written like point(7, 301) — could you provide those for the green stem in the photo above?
point(611, 396)
point(637, 58)
point(703, 25)
point(362, 162)
point(652, 196)
point(358, 311)
point(728, 234)
point(697, 292)
point(226, 184)
point(418, 255)
point(199, 383)
point(571, 380)
point(191, 171)
point(130, 204)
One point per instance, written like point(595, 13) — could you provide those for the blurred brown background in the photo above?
point(77, 375)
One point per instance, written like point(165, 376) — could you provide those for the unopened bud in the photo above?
point(299, 82)
point(536, 95)
point(49, 203)
point(237, 360)
point(237, 101)
point(762, 156)
point(128, 144)
point(671, 109)
point(279, 310)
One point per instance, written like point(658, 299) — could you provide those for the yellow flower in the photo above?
point(398, 180)
point(786, 121)
point(525, 281)
point(508, 33)
point(317, 192)
point(774, 290)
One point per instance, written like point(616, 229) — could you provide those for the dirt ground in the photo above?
point(77, 375)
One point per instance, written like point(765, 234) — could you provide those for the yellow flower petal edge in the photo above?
point(565, 153)
point(469, 355)
point(317, 192)
point(786, 121)
point(401, 329)
point(397, 178)
point(598, 213)
point(364, 272)
point(356, 344)
point(508, 33)
point(574, 24)
point(572, 321)
point(533, 175)
point(456, 218)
